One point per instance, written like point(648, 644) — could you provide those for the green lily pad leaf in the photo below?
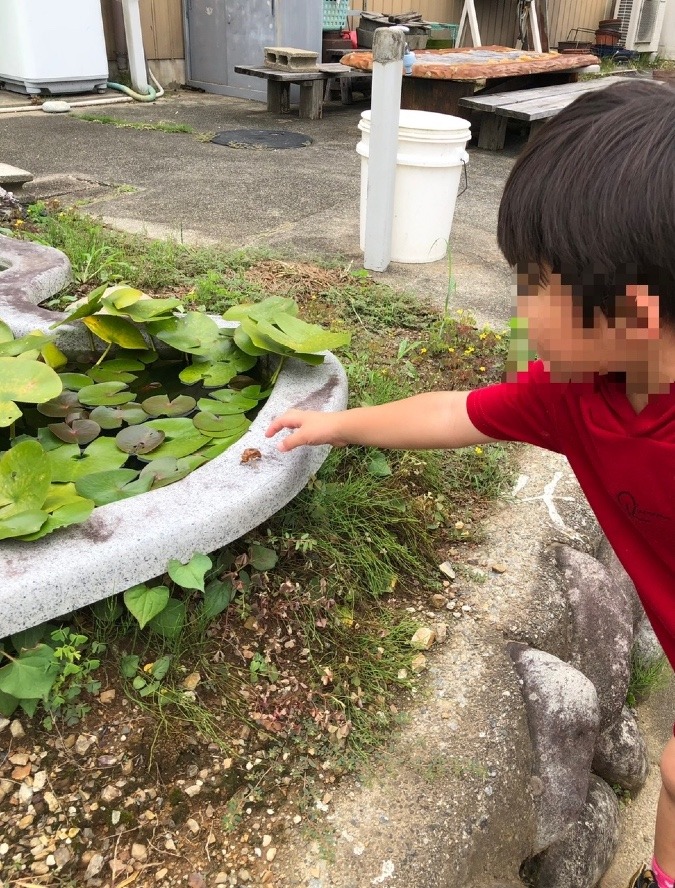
point(80, 431)
point(267, 308)
point(69, 463)
point(29, 381)
point(9, 413)
point(6, 334)
point(60, 406)
point(121, 296)
point(301, 336)
point(263, 558)
point(75, 512)
point(59, 495)
point(113, 417)
point(220, 408)
point(164, 471)
point(216, 446)
point(144, 355)
point(151, 309)
point(25, 477)
point(161, 405)
point(188, 333)
point(139, 439)
point(89, 307)
point(171, 620)
point(218, 374)
point(74, 381)
point(145, 602)
point(221, 426)
point(103, 373)
point(273, 340)
point(217, 596)
point(193, 373)
point(109, 487)
point(53, 356)
point(47, 440)
point(31, 675)
point(251, 391)
point(31, 342)
point(182, 438)
point(22, 523)
point(245, 343)
point(116, 330)
point(190, 575)
point(107, 394)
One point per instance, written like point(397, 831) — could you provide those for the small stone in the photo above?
point(19, 758)
point(110, 793)
point(418, 663)
point(40, 868)
point(170, 845)
point(139, 852)
point(438, 601)
point(266, 840)
point(52, 802)
point(447, 568)
point(499, 568)
point(25, 794)
point(297, 819)
point(4, 722)
point(69, 742)
point(26, 821)
point(221, 879)
point(196, 880)
point(4, 848)
point(271, 854)
point(16, 729)
point(441, 630)
point(244, 875)
point(423, 639)
point(161, 873)
point(50, 860)
point(62, 855)
point(193, 790)
point(83, 743)
point(94, 867)
point(192, 825)
point(39, 781)
point(191, 682)
point(55, 106)
point(107, 696)
point(21, 773)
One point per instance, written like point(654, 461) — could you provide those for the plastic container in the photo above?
point(52, 47)
point(430, 158)
point(335, 14)
point(442, 35)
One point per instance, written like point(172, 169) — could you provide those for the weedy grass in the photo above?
point(162, 126)
point(647, 675)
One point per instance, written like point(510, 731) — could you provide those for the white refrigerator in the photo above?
point(52, 46)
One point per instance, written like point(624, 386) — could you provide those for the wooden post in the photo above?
point(388, 49)
point(278, 97)
point(311, 99)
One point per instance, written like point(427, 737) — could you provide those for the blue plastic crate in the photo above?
point(335, 14)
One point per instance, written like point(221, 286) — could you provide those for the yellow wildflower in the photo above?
point(482, 369)
point(451, 349)
point(423, 351)
point(478, 450)
point(18, 223)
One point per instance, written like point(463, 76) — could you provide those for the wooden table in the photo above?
point(312, 85)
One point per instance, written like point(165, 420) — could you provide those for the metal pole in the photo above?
point(388, 49)
point(132, 25)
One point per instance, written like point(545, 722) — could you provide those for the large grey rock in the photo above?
point(623, 584)
point(646, 646)
point(563, 718)
point(621, 754)
point(602, 629)
point(580, 857)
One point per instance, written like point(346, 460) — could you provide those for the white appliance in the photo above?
point(53, 46)
point(641, 23)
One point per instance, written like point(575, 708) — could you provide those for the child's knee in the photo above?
point(668, 768)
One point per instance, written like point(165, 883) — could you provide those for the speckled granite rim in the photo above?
point(129, 542)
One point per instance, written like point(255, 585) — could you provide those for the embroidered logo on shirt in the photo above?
point(629, 505)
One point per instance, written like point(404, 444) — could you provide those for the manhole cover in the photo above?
point(269, 139)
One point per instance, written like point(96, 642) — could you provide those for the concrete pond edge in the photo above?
point(132, 541)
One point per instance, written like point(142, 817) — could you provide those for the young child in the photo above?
point(587, 219)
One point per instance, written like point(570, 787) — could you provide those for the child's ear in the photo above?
point(638, 314)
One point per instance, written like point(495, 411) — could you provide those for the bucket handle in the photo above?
point(465, 159)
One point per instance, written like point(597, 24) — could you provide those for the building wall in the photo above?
point(162, 22)
point(667, 44)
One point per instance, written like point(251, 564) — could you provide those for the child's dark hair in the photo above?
point(592, 198)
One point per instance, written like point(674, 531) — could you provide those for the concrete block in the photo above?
point(285, 58)
point(13, 176)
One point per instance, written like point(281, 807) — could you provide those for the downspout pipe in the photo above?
point(121, 56)
point(134, 34)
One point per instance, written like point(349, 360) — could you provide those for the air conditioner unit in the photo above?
point(641, 22)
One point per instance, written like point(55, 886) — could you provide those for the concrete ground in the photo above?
point(305, 201)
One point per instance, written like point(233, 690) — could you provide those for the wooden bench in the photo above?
point(533, 106)
point(312, 86)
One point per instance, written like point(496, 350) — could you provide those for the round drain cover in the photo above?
point(261, 139)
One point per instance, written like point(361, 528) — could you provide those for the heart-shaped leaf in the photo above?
point(9, 413)
point(113, 417)
point(222, 406)
point(30, 343)
point(263, 558)
point(69, 463)
point(145, 602)
point(61, 405)
point(266, 308)
point(188, 333)
point(78, 431)
point(190, 575)
point(221, 426)
point(108, 394)
point(161, 405)
point(139, 439)
point(103, 373)
point(144, 355)
point(182, 438)
point(109, 487)
point(31, 675)
point(217, 595)
point(171, 620)
point(75, 512)
point(29, 381)
point(162, 472)
point(121, 296)
point(116, 330)
point(74, 381)
point(25, 477)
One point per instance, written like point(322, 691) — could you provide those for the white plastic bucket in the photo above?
point(430, 155)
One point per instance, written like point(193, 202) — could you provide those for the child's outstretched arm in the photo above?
point(433, 420)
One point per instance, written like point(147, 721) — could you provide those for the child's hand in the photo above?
point(311, 427)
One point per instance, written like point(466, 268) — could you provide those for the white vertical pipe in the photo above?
point(388, 49)
point(137, 66)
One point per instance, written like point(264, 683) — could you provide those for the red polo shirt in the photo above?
point(623, 460)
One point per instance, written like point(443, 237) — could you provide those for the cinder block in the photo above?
point(11, 175)
point(285, 58)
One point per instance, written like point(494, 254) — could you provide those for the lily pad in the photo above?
point(53, 356)
point(166, 470)
point(107, 394)
point(108, 487)
point(60, 406)
point(69, 463)
point(103, 373)
point(221, 426)
point(189, 333)
point(115, 330)
point(182, 438)
point(92, 305)
point(152, 309)
point(29, 381)
point(22, 523)
point(139, 439)
point(9, 413)
point(25, 477)
point(161, 405)
point(80, 431)
point(113, 417)
point(74, 512)
point(74, 381)
point(267, 308)
point(144, 355)
point(31, 342)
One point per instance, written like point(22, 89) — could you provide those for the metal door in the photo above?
point(223, 33)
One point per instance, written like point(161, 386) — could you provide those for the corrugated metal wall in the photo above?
point(163, 22)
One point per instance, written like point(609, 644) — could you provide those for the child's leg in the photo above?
point(664, 841)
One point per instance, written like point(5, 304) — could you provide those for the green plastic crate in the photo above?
point(442, 35)
point(335, 14)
